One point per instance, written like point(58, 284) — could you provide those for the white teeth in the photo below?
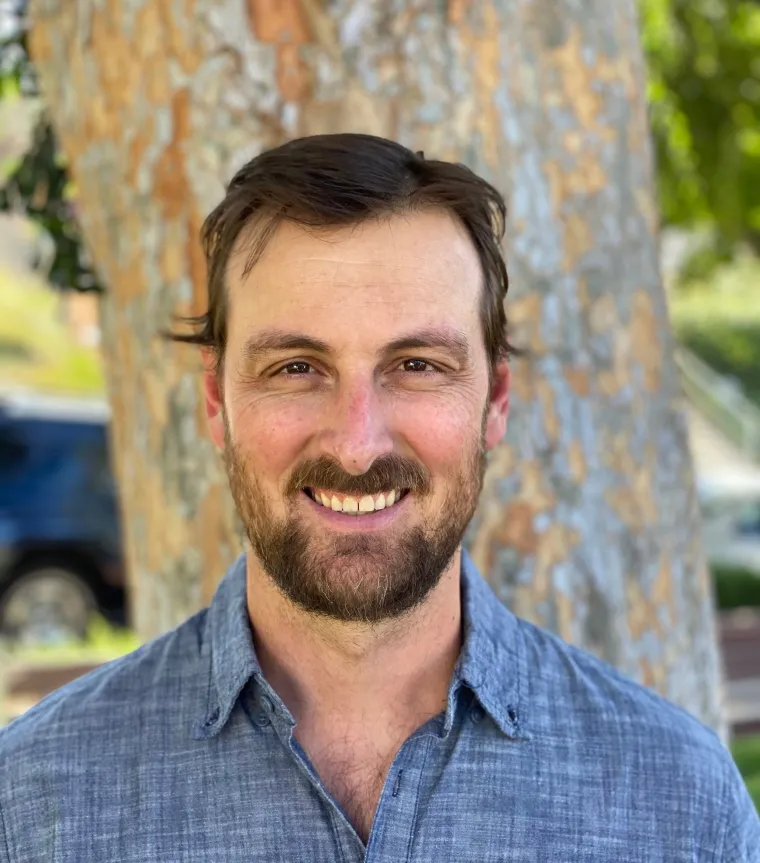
point(356, 506)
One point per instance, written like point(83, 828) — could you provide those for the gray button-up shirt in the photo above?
point(182, 752)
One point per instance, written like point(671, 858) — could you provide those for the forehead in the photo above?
point(366, 280)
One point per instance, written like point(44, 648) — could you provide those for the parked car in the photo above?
point(60, 539)
point(731, 520)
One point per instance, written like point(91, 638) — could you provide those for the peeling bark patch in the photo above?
point(645, 342)
point(276, 21)
point(578, 379)
point(282, 23)
point(662, 593)
point(577, 461)
point(516, 529)
point(196, 265)
point(533, 488)
point(547, 398)
point(524, 313)
point(638, 610)
point(578, 240)
point(554, 547)
point(487, 72)
point(170, 183)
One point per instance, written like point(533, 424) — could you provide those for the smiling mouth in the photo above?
point(356, 505)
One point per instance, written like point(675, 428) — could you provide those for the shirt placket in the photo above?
point(395, 818)
point(396, 814)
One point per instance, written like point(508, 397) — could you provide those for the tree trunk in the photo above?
point(588, 523)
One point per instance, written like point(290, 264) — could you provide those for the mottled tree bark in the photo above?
point(588, 524)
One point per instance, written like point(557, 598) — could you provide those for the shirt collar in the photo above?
point(228, 650)
point(492, 661)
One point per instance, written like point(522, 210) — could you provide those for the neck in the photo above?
point(324, 668)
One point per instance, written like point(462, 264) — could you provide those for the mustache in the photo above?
point(388, 472)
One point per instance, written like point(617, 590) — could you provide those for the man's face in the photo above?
point(355, 412)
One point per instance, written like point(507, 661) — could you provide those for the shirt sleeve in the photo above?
point(742, 825)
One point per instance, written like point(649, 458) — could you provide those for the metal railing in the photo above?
point(722, 402)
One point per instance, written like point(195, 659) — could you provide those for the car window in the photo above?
point(721, 507)
point(12, 453)
point(748, 522)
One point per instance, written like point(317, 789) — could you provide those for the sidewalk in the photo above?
point(743, 708)
point(712, 453)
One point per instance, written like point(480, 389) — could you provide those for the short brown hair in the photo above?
point(343, 179)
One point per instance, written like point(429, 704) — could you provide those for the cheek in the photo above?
point(442, 436)
point(271, 438)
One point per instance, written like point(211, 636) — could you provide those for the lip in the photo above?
point(367, 523)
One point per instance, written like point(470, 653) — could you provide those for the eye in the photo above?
point(295, 369)
point(419, 366)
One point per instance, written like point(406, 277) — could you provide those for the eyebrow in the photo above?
point(446, 339)
point(270, 341)
point(273, 340)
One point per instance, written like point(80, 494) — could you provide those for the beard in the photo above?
point(358, 577)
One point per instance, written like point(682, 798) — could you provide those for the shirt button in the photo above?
point(266, 704)
point(477, 714)
point(261, 719)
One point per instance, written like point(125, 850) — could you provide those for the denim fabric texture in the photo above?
point(182, 752)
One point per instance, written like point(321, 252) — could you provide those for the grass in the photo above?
point(736, 587)
point(103, 643)
point(746, 752)
point(36, 349)
point(720, 322)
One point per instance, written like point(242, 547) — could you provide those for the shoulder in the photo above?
point(575, 697)
point(562, 678)
point(106, 707)
point(620, 733)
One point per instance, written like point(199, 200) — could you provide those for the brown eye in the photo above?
point(417, 366)
point(298, 368)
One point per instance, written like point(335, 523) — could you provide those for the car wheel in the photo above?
point(47, 604)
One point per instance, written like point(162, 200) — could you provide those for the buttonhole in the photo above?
point(397, 784)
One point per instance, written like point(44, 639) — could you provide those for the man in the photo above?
point(355, 691)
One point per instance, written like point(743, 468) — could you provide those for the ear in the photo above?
point(498, 406)
point(212, 392)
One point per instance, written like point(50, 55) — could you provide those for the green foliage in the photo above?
point(736, 588)
point(38, 183)
point(36, 348)
point(720, 322)
point(746, 753)
point(103, 642)
point(704, 92)
point(753, 786)
point(731, 350)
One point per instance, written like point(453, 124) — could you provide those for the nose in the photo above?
point(358, 431)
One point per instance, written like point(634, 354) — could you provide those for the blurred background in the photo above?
point(63, 600)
